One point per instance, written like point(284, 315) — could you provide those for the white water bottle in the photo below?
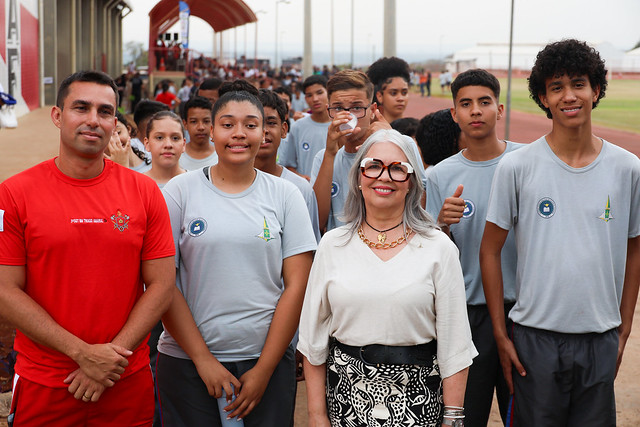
point(222, 403)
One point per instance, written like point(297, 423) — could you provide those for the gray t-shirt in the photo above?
point(189, 163)
point(229, 254)
point(339, 185)
point(571, 228)
point(309, 198)
point(142, 167)
point(298, 103)
point(306, 138)
point(442, 181)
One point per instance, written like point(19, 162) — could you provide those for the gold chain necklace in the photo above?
point(379, 245)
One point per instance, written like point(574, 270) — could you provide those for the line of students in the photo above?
point(550, 301)
point(458, 191)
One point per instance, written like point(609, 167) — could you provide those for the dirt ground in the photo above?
point(36, 139)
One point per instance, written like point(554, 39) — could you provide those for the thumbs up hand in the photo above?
point(452, 209)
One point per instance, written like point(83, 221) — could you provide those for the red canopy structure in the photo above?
point(220, 14)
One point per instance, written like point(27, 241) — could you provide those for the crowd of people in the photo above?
point(236, 232)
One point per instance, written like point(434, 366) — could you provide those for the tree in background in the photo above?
point(135, 51)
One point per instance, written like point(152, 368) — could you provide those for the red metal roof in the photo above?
point(220, 14)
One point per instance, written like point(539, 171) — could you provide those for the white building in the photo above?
point(495, 56)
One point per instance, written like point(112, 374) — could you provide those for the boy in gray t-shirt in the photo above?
point(571, 199)
point(308, 134)
point(457, 195)
point(276, 125)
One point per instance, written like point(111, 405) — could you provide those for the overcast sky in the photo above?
point(425, 28)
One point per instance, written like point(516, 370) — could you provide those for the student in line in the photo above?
point(457, 195)
point(572, 200)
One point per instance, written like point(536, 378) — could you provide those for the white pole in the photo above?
point(389, 43)
point(508, 118)
point(275, 61)
point(331, 61)
point(307, 60)
point(352, 30)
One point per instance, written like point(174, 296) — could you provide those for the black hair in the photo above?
point(272, 100)
point(384, 69)
point(437, 136)
point(122, 119)
point(567, 57)
point(316, 79)
point(236, 86)
point(147, 108)
point(212, 83)
point(284, 90)
point(90, 76)
point(476, 77)
point(132, 132)
point(236, 96)
point(406, 126)
point(164, 115)
point(196, 102)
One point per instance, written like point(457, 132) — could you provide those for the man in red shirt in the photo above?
point(79, 235)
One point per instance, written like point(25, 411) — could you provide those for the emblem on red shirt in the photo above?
point(120, 220)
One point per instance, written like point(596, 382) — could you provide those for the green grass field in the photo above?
point(619, 109)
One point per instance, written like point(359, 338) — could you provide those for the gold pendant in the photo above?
point(382, 237)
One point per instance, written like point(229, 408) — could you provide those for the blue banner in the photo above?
point(184, 24)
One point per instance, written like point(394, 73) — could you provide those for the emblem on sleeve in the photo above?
point(546, 207)
point(120, 220)
point(606, 215)
point(197, 227)
point(305, 146)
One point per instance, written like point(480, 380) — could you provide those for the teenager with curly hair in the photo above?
point(438, 137)
point(390, 77)
point(571, 199)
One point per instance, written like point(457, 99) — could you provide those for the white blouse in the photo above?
point(413, 298)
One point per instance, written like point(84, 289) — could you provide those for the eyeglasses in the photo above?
point(359, 111)
point(373, 168)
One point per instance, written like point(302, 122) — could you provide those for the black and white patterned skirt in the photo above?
point(366, 395)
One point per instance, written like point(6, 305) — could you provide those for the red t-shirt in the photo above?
point(82, 242)
point(166, 98)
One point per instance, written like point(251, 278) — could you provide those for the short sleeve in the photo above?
point(634, 219)
point(158, 242)
point(315, 168)
point(315, 319)
point(434, 200)
point(455, 346)
point(12, 239)
point(297, 234)
point(503, 200)
point(175, 216)
point(288, 156)
point(312, 207)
